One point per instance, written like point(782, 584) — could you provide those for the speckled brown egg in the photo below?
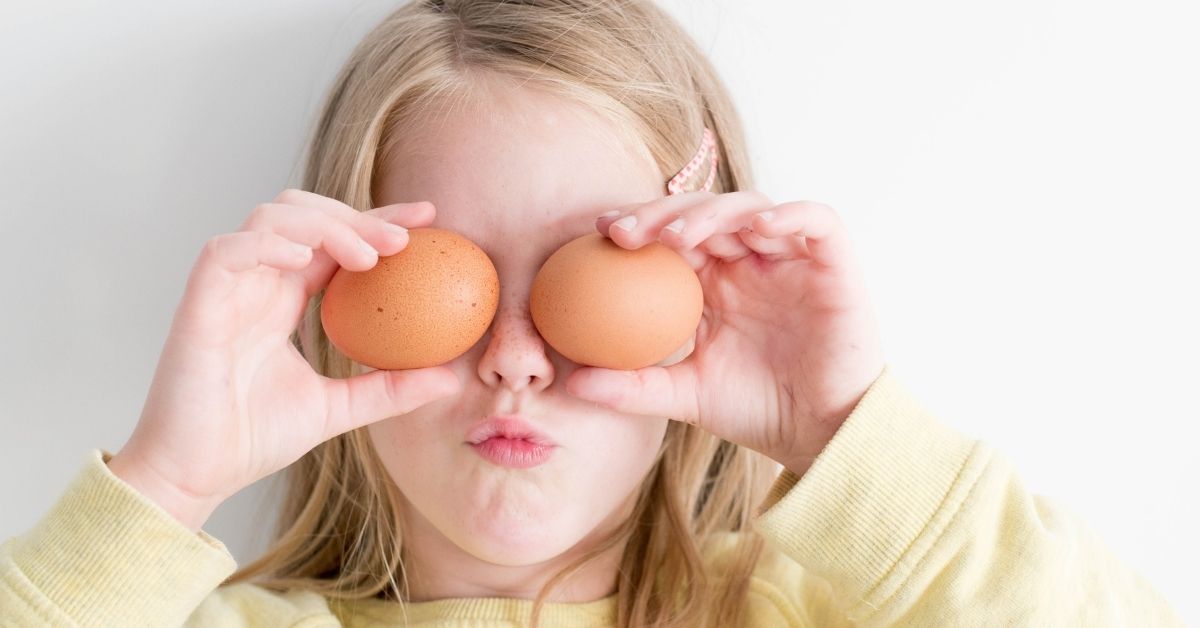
point(423, 306)
point(599, 304)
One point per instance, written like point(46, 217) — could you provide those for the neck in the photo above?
point(439, 569)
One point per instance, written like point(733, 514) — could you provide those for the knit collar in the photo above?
point(376, 612)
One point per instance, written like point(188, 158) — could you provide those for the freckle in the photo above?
point(472, 304)
point(378, 309)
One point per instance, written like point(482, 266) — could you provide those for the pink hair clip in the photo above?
point(706, 153)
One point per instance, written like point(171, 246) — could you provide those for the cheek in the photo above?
point(620, 452)
point(527, 517)
point(403, 445)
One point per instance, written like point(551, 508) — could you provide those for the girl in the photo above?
point(773, 472)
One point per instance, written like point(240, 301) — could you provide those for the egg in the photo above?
point(599, 304)
point(423, 306)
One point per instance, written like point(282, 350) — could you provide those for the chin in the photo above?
point(506, 556)
point(515, 541)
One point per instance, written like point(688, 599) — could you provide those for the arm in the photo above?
point(105, 555)
point(914, 524)
point(123, 546)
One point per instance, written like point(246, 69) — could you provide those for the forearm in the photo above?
point(107, 555)
point(190, 510)
point(913, 523)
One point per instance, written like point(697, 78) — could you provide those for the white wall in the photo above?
point(1019, 179)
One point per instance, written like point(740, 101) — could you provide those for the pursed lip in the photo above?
point(507, 426)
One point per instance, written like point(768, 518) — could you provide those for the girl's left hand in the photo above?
point(788, 343)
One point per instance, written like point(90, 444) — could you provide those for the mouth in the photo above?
point(509, 441)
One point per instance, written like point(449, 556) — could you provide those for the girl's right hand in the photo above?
point(232, 400)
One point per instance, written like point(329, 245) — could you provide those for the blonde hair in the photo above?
point(339, 529)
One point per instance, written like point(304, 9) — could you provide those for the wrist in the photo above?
point(820, 430)
point(798, 467)
point(799, 462)
point(188, 508)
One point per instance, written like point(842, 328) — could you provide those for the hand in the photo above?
point(787, 345)
point(232, 399)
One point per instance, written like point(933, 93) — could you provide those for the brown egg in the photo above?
point(423, 306)
point(602, 305)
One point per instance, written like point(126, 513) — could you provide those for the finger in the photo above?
point(696, 258)
point(247, 250)
point(724, 213)
point(227, 254)
point(337, 242)
point(607, 218)
point(779, 248)
point(364, 222)
point(687, 223)
point(717, 226)
point(663, 205)
point(825, 237)
point(363, 399)
point(315, 228)
point(409, 215)
point(653, 391)
point(639, 226)
point(299, 198)
point(295, 196)
point(726, 246)
point(372, 224)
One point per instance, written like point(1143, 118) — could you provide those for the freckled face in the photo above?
point(520, 172)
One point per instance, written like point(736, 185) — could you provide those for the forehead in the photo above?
point(516, 161)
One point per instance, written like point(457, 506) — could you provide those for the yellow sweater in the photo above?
point(901, 520)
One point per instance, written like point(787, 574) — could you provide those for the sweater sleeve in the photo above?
point(911, 523)
point(107, 556)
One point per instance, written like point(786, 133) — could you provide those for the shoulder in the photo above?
point(781, 591)
point(249, 605)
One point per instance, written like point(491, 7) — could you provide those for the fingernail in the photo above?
point(627, 223)
point(610, 213)
point(767, 215)
point(676, 226)
point(367, 248)
point(394, 229)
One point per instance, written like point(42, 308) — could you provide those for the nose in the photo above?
point(515, 357)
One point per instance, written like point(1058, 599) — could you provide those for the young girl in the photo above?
point(774, 472)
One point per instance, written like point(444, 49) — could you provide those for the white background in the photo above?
point(1019, 178)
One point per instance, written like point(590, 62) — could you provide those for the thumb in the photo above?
point(655, 391)
point(356, 401)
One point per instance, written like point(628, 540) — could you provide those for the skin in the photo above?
point(787, 347)
point(475, 529)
